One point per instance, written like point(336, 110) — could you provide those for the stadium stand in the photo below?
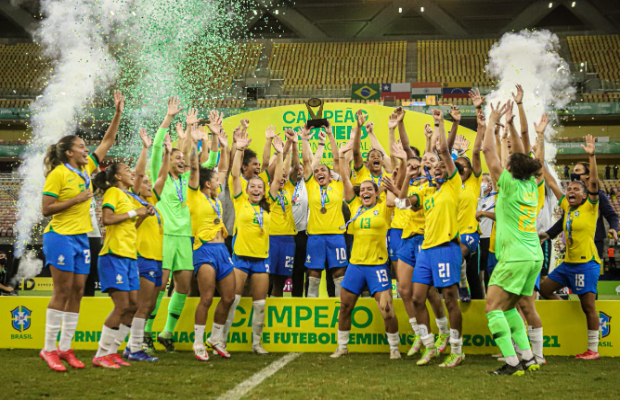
point(22, 69)
point(601, 51)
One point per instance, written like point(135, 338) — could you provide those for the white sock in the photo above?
point(199, 335)
point(343, 339)
point(593, 341)
point(456, 342)
point(442, 324)
point(512, 361)
point(393, 340)
point(69, 323)
point(53, 319)
point(258, 321)
point(463, 283)
point(230, 319)
point(414, 325)
point(106, 340)
point(119, 338)
point(136, 336)
point(338, 285)
point(427, 338)
point(313, 287)
point(517, 349)
point(216, 333)
point(536, 338)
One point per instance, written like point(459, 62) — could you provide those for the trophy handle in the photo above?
point(310, 111)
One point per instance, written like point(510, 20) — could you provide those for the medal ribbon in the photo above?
point(569, 225)
point(82, 175)
point(216, 207)
point(296, 190)
point(259, 216)
point(281, 198)
point(360, 211)
point(179, 188)
point(144, 204)
point(323, 196)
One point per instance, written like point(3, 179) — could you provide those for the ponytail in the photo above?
point(56, 153)
point(106, 179)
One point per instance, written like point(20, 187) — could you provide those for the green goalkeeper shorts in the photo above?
point(177, 253)
point(516, 277)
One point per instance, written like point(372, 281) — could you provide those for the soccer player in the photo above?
point(580, 268)
point(326, 242)
point(212, 263)
point(251, 239)
point(369, 224)
point(67, 195)
point(118, 268)
point(376, 161)
point(439, 260)
point(518, 249)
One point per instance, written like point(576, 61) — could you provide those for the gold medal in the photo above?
point(216, 221)
point(323, 210)
point(343, 227)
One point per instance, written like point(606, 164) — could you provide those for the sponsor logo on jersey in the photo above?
point(20, 317)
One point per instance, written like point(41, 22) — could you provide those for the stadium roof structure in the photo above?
point(389, 19)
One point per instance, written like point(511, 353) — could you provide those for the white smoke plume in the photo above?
point(530, 58)
point(29, 266)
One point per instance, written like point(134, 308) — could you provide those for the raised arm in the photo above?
point(428, 133)
point(488, 147)
point(334, 148)
point(270, 133)
point(110, 136)
point(540, 144)
point(392, 138)
point(162, 174)
point(400, 155)
point(553, 184)
point(476, 163)
point(442, 144)
point(374, 142)
point(349, 193)
point(194, 164)
point(191, 118)
point(320, 149)
point(278, 146)
point(141, 164)
point(525, 137)
point(515, 138)
point(222, 168)
point(358, 160)
point(294, 165)
point(242, 143)
point(593, 184)
point(306, 151)
point(399, 114)
point(455, 113)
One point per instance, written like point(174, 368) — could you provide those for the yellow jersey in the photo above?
point(473, 184)
point(120, 239)
point(363, 174)
point(330, 222)
point(250, 239)
point(369, 230)
point(579, 228)
point(282, 220)
point(468, 205)
point(150, 237)
point(492, 239)
point(203, 215)
point(414, 220)
point(440, 210)
point(64, 184)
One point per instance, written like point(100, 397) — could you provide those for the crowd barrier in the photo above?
point(310, 325)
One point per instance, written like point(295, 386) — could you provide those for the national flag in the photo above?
point(456, 90)
point(363, 91)
point(419, 90)
point(398, 91)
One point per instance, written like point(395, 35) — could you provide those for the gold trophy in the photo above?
point(316, 120)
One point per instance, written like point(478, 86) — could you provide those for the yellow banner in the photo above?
point(342, 118)
point(36, 284)
point(310, 325)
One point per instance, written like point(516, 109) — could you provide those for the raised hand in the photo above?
point(518, 98)
point(464, 143)
point(173, 106)
point(191, 116)
point(291, 135)
point(428, 131)
point(542, 125)
point(222, 137)
point(238, 133)
point(400, 113)
point(328, 129)
point(497, 112)
point(370, 128)
point(245, 123)
point(398, 151)
point(146, 140)
point(481, 119)
point(168, 144)
point(270, 132)
point(474, 95)
point(437, 116)
point(304, 133)
point(348, 146)
point(410, 171)
point(388, 184)
point(215, 122)
point(119, 101)
point(455, 113)
point(509, 115)
point(196, 132)
point(180, 131)
point(322, 137)
point(458, 143)
point(589, 147)
point(393, 121)
point(243, 142)
point(361, 118)
point(278, 144)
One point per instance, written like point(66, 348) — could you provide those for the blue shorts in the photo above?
point(395, 242)
point(439, 266)
point(251, 265)
point(492, 262)
point(326, 248)
point(281, 254)
point(579, 278)
point(470, 240)
point(118, 273)
point(70, 253)
point(217, 256)
point(150, 270)
point(376, 277)
point(410, 249)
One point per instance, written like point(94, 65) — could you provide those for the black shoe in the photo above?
point(147, 343)
point(530, 365)
point(508, 369)
point(167, 343)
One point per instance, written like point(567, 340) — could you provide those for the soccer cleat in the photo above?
point(395, 354)
point(116, 358)
point(220, 350)
point(147, 344)
point(258, 349)
point(588, 355)
point(105, 362)
point(52, 360)
point(464, 295)
point(530, 365)
point(167, 343)
point(415, 346)
point(141, 356)
point(427, 355)
point(70, 358)
point(540, 360)
point(442, 342)
point(200, 352)
point(452, 360)
point(340, 352)
point(508, 369)
point(126, 352)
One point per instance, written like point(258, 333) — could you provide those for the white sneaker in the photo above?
point(258, 349)
point(395, 354)
point(220, 350)
point(540, 360)
point(200, 352)
point(340, 353)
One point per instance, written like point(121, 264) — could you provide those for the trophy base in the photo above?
point(316, 123)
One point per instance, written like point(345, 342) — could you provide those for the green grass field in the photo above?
point(309, 376)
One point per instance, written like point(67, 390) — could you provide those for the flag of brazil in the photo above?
point(363, 91)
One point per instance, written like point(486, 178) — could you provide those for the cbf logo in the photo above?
point(604, 321)
point(20, 317)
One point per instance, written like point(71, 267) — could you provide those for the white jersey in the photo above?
point(300, 206)
point(486, 224)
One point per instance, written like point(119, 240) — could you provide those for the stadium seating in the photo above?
point(601, 52)
point(22, 69)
